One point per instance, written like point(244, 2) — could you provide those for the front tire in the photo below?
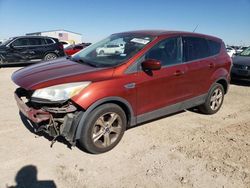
point(103, 129)
point(214, 100)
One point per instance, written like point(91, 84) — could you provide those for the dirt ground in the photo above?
point(184, 150)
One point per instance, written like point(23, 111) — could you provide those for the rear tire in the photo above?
point(50, 56)
point(103, 128)
point(101, 52)
point(214, 100)
point(1, 61)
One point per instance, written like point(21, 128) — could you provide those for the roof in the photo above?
point(31, 36)
point(54, 31)
point(156, 33)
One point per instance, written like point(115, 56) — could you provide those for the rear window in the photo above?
point(195, 48)
point(49, 41)
point(79, 47)
point(214, 47)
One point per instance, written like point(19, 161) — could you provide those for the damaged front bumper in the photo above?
point(34, 115)
point(58, 120)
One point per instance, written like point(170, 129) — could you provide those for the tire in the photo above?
point(103, 129)
point(1, 61)
point(101, 52)
point(214, 100)
point(50, 56)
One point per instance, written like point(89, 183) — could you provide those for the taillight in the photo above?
point(61, 46)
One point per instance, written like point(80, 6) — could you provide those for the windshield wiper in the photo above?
point(82, 61)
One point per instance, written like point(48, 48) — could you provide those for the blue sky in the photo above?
point(95, 20)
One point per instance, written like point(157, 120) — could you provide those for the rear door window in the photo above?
point(36, 41)
point(195, 48)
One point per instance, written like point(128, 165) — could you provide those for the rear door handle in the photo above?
point(179, 73)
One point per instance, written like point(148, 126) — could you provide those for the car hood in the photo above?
point(241, 60)
point(2, 47)
point(59, 71)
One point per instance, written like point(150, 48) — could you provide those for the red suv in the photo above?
point(93, 98)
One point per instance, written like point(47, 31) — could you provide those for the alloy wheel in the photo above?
point(106, 130)
point(216, 99)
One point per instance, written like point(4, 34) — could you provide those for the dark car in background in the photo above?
point(72, 49)
point(30, 48)
point(241, 65)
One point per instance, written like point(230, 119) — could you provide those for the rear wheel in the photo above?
point(101, 52)
point(104, 128)
point(214, 100)
point(50, 56)
point(1, 61)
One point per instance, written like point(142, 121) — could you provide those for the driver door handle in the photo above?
point(179, 73)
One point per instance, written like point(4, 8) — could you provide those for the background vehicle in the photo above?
point(231, 51)
point(72, 49)
point(111, 49)
point(30, 48)
point(241, 65)
point(94, 98)
point(240, 49)
point(65, 44)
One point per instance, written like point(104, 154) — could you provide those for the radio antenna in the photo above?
point(195, 28)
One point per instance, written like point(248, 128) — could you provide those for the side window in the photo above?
point(195, 48)
point(49, 41)
point(35, 41)
point(167, 51)
point(79, 47)
point(21, 42)
point(214, 47)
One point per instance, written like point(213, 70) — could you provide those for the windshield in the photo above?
point(7, 41)
point(113, 50)
point(246, 52)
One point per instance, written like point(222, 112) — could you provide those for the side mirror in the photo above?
point(11, 46)
point(151, 64)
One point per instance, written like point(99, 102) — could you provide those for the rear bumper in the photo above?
point(34, 115)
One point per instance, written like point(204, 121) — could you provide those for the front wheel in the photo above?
point(214, 100)
point(104, 128)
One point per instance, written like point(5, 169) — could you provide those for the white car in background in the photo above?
point(111, 49)
point(65, 44)
point(231, 51)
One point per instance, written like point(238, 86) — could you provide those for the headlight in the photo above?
point(60, 92)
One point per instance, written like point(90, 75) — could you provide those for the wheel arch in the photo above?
point(224, 83)
point(123, 103)
point(222, 77)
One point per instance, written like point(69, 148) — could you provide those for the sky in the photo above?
point(96, 19)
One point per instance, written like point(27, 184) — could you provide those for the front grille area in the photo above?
point(243, 67)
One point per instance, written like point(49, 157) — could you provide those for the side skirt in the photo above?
point(196, 101)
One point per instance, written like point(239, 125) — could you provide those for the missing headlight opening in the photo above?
point(56, 119)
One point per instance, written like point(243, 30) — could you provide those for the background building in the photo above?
point(62, 35)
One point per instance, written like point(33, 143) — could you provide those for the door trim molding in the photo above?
point(196, 101)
